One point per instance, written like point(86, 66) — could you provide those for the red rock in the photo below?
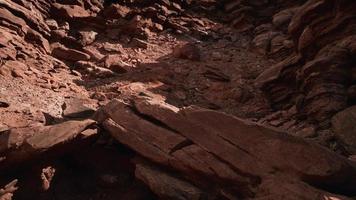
point(14, 69)
point(87, 37)
point(344, 126)
point(140, 43)
point(191, 142)
point(23, 144)
point(62, 52)
point(165, 186)
point(39, 40)
point(70, 11)
point(94, 70)
point(322, 44)
point(283, 17)
point(6, 193)
point(52, 24)
point(187, 51)
point(75, 108)
point(35, 20)
point(70, 2)
point(138, 27)
point(116, 11)
point(7, 15)
point(115, 63)
point(47, 176)
point(94, 53)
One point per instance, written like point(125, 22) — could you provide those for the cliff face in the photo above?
point(318, 78)
point(96, 99)
point(322, 32)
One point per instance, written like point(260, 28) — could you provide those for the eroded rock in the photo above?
point(62, 52)
point(187, 51)
point(233, 150)
point(166, 186)
point(344, 125)
point(6, 193)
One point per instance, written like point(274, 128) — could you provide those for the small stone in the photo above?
point(87, 37)
point(187, 51)
point(75, 108)
point(158, 27)
point(52, 24)
point(119, 68)
point(61, 52)
point(64, 26)
point(47, 176)
point(116, 11)
point(140, 43)
point(69, 11)
point(98, 96)
point(115, 63)
point(307, 132)
point(93, 53)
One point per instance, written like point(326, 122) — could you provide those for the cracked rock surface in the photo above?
point(182, 99)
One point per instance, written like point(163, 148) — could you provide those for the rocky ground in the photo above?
point(184, 99)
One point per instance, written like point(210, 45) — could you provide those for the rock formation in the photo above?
point(226, 158)
point(182, 99)
point(319, 75)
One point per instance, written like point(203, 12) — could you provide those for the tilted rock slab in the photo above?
point(23, 144)
point(222, 156)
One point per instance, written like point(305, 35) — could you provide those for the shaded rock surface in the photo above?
point(62, 59)
point(344, 126)
point(238, 157)
point(317, 76)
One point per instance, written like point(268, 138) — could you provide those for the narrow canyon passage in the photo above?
point(183, 99)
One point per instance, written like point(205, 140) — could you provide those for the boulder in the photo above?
point(116, 11)
point(116, 64)
point(239, 156)
point(61, 52)
point(283, 17)
point(87, 37)
point(344, 126)
point(94, 53)
point(23, 144)
point(69, 11)
point(187, 51)
point(52, 24)
point(166, 186)
point(94, 70)
point(76, 108)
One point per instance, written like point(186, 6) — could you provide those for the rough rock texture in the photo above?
point(61, 60)
point(239, 158)
point(22, 144)
point(318, 78)
point(344, 126)
point(6, 193)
